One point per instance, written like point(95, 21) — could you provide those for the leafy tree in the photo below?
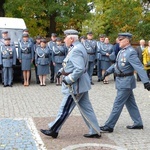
point(113, 16)
point(49, 15)
point(2, 12)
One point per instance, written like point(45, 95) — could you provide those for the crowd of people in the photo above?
point(47, 57)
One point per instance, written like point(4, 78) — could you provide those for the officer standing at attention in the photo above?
point(90, 46)
point(42, 60)
point(74, 73)
point(98, 49)
point(8, 58)
point(25, 56)
point(50, 46)
point(58, 55)
point(126, 62)
point(36, 45)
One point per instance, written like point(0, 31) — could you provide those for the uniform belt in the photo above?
point(59, 55)
point(7, 57)
point(43, 57)
point(91, 53)
point(26, 52)
point(124, 74)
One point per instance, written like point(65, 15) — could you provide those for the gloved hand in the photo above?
point(105, 74)
point(64, 81)
point(1, 66)
point(13, 66)
point(147, 86)
point(58, 74)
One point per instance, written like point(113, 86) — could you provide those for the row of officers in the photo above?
point(48, 57)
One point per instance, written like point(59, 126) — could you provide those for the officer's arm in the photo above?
point(137, 65)
point(78, 67)
point(102, 52)
point(0, 56)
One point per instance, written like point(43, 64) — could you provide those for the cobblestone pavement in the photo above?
point(24, 110)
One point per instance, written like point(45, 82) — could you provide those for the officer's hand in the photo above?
point(147, 86)
point(1, 66)
point(13, 65)
point(64, 81)
point(58, 74)
point(105, 75)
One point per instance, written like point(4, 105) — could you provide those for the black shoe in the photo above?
point(5, 85)
point(92, 135)
point(135, 127)
point(37, 82)
point(10, 85)
point(92, 83)
point(49, 133)
point(51, 81)
point(98, 80)
point(106, 129)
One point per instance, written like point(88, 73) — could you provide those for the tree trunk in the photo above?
point(2, 12)
point(52, 28)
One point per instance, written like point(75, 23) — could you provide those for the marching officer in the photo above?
point(75, 74)
point(36, 45)
point(25, 56)
point(58, 55)
point(126, 62)
point(99, 45)
point(50, 46)
point(42, 60)
point(8, 58)
point(90, 46)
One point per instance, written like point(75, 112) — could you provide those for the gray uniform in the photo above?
point(126, 62)
point(105, 60)
point(90, 46)
point(42, 59)
point(58, 55)
point(74, 71)
point(98, 55)
point(7, 59)
point(25, 54)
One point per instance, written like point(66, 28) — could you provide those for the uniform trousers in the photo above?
point(7, 73)
point(90, 69)
point(99, 70)
point(124, 97)
point(66, 108)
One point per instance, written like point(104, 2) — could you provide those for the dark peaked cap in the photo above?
point(71, 32)
point(7, 38)
point(125, 34)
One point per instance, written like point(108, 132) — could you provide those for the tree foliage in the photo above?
point(49, 15)
point(114, 16)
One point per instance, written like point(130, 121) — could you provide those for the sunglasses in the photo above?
point(120, 39)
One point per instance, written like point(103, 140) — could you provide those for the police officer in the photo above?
point(4, 35)
point(36, 45)
point(90, 46)
point(7, 61)
point(99, 46)
point(126, 62)
point(42, 60)
point(74, 71)
point(25, 56)
point(50, 45)
point(58, 54)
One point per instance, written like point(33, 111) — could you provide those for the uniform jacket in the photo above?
point(98, 47)
point(59, 53)
point(50, 45)
point(106, 48)
point(90, 46)
point(75, 64)
point(146, 58)
point(126, 62)
point(25, 50)
point(8, 56)
point(42, 56)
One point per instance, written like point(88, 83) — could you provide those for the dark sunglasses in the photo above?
point(121, 39)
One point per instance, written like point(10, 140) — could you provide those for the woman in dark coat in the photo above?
point(42, 59)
